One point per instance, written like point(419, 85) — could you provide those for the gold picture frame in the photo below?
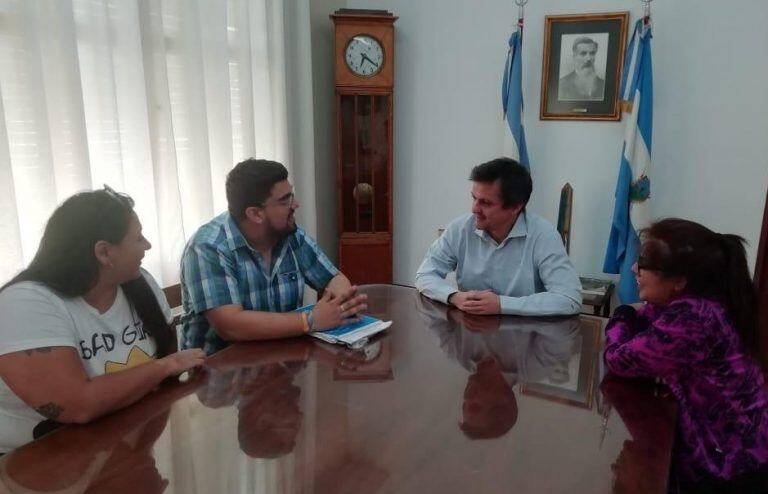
point(581, 68)
point(568, 387)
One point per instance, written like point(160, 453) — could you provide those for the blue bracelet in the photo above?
point(311, 319)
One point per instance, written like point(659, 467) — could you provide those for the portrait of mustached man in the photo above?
point(583, 83)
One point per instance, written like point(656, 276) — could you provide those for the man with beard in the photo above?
point(506, 260)
point(244, 272)
point(583, 83)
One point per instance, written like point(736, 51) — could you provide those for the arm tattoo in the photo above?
point(50, 410)
point(45, 349)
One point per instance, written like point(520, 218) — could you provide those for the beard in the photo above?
point(279, 233)
point(586, 71)
point(586, 80)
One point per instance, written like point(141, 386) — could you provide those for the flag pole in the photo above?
point(520, 6)
point(646, 13)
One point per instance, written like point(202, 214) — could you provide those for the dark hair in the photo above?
point(250, 182)
point(500, 412)
point(268, 400)
point(514, 179)
point(714, 265)
point(583, 40)
point(65, 261)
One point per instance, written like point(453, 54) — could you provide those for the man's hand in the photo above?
point(474, 322)
point(338, 309)
point(338, 286)
point(477, 302)
point(457, 299)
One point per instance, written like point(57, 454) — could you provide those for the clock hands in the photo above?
point(364, 58)
point(370, 61)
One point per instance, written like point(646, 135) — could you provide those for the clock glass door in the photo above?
point(364, 147)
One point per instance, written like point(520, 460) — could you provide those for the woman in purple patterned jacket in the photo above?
point(696, 331)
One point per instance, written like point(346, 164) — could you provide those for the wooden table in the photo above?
point(441, 403)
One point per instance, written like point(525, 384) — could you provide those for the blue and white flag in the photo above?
point(632, 210)
point(512, 99)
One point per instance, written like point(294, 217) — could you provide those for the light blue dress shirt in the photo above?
point(529, 270)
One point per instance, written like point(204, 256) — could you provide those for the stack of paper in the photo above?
point(353, 335)
point(594, 286)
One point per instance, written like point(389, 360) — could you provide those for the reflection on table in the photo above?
point(498, 353)
point(443, 402)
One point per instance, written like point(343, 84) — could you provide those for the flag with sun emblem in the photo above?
point(632, 209)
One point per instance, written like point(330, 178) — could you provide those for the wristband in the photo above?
point(304, 322)
point(311, 320)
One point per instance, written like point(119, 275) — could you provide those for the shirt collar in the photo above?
point(235, 238)
point(519, 229)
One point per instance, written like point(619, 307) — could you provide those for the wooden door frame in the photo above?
point(761, 285)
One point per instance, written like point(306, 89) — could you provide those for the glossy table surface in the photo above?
point(442, 402)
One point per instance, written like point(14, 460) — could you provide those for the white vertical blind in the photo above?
point(157, 98)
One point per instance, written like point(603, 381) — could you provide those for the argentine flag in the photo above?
point(632, 210)
point(512, 99)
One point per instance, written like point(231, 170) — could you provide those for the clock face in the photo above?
point(364, 55)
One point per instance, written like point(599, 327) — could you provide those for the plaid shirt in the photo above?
point(218, 268)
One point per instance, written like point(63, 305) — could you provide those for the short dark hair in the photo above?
point(514, 179)
point(250, 183)
point(583, 40)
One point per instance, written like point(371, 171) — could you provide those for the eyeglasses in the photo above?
point(644, 264)
point(286, 201)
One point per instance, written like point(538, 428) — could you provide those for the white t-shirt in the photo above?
point(33, 316)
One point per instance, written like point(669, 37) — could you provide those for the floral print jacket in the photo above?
point(723, 403)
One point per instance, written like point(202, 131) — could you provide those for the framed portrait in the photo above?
point(581, 70)
point(572, 381)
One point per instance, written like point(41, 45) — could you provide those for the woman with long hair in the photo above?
point(696, 331)
point(84, 330)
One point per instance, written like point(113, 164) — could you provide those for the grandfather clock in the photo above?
point(364, 51)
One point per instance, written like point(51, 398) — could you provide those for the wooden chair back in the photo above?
point(564, 215)
point(173, 295)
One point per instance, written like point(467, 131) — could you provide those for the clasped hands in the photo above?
point(482, 302)
point(336, 309)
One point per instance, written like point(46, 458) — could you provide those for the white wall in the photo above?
point(710, 120)
point(324, 122)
